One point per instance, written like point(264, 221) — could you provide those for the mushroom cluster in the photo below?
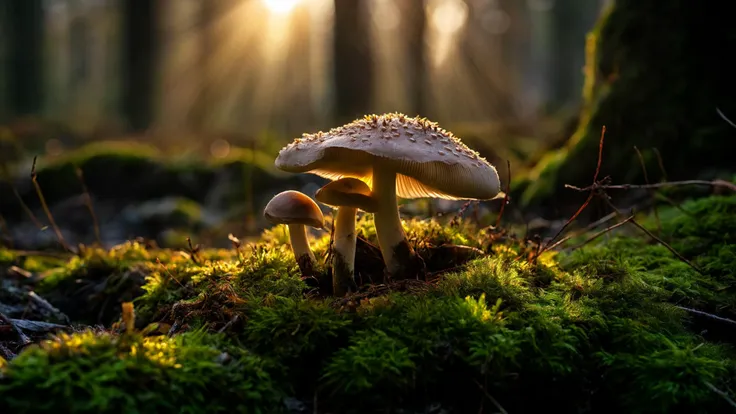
point(374, 160)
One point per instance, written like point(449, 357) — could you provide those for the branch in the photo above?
point(714, 183)
point(592, 189)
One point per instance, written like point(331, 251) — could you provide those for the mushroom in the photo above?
point(296, 210)
point(408, 157)
point(348, 195)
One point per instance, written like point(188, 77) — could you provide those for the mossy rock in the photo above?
point(653, 80)
point(603, 328)
point(132, 172)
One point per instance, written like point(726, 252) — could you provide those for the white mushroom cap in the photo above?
point(293, 207)
point(347, 192)
point(429, 161)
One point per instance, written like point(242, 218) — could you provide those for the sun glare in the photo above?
point(280, 6)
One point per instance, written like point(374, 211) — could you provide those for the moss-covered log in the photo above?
point(656, 72)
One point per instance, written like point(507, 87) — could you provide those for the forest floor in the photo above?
point(636, 317)
point(635, 312)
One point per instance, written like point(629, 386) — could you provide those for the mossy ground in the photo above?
point(603, 328)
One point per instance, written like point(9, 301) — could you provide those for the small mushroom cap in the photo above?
point(293, 207)
point(429, 161)
point(348, 192)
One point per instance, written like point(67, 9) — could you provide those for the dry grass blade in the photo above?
point(46, 210)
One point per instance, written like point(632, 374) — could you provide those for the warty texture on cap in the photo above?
point(429, 161)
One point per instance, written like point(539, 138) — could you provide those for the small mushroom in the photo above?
point(296, 210)
point(348, 195)
point(418, 160)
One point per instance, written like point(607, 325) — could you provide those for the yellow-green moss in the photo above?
point(598, 329)
point(100, 373)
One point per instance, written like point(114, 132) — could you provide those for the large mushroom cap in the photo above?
point(293, 207)
point(429, 161)
point(347, 192)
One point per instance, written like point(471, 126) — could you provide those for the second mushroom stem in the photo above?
point(343, 267)
point(302, 251)
point(390, 233)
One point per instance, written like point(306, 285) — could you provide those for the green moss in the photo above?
point(665, 100)
point(96, 373)
point(597, 329)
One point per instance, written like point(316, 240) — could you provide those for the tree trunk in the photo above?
point(655, 78)
point(416, 80)
point(26, 55)
point(139, 60)
point(352, 62)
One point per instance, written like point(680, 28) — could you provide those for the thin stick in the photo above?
point(662, 242)
point(46, 210)
point(714, 183)
point(18, 197)
point(725, 118)
point(708, 315)
point(21, 336)
point(651, 190)
point(602, 232)
point(723, 394)
point(590, 196)
point(506, 196)
point(490, 397)
point(88, 203)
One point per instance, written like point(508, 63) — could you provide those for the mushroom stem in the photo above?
point(302, 252)
point(397, 254)
point(343, 262)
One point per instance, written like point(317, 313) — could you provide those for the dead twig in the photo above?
point(229, 324)
point(24, 339)
point(707, 315)
point(46, 210)
point(652, 192)
point(506, 196)
point(193, 250)
point(723, 116)
point(18, 197)
point(722, 394)
point(43, 303)
point(714, 183)
point(490, 397)
point(88, 203)
point(602, 232)
point(592, 188)
point(37, 326)
point(658, 240)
